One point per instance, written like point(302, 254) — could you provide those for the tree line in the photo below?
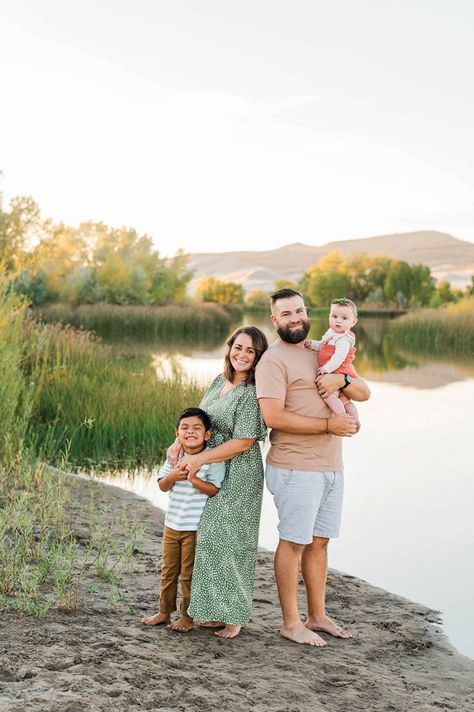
point(95, 263)
point(92, 263)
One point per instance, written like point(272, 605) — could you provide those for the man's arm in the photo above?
point(275, 416)
point(332, 382)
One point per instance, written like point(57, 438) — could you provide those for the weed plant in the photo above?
point(173, 322)
point(448, 330)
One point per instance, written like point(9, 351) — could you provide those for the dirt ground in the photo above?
point(95, 659)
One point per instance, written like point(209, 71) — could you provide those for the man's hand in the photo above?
point(329, 384)
point(344, 425)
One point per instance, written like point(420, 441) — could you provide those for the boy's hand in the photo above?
point(180, 472)
point(321, 371)
point(307, 344)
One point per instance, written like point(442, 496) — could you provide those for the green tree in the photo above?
point(210, 289)
point(257, 299)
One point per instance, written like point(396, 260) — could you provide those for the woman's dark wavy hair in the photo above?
point(259, 343)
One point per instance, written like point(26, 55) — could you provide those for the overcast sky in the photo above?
point(219, 125)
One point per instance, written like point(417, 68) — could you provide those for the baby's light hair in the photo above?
point(344, 302)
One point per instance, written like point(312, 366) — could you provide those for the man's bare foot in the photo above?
point(301, 634)
point(327, 625)
point(183, 625)
point(157, 619)
point(229, 631)
point(212, 624)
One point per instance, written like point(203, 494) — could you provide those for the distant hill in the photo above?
point(448, 258)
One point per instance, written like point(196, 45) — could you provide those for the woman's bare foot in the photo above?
point(229, 631)
point(157, 619)
point(183, 625)
point(327, 625)
point(301, 634)
point(211, 624)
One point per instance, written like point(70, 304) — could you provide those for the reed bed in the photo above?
point(175, 321)
point(446, 330)
point(107, 410)
point(42, 564)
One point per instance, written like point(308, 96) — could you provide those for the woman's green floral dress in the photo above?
point(227, 538)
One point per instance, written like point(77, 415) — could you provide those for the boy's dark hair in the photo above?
point(285, 293)
point(196, 412)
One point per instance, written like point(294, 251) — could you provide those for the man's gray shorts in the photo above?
point(308, 503)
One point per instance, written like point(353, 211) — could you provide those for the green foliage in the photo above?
point(210, 289)
point(258, 299)
point(87, 264)
point(370, 280)
point(449, 329)
point(150, 322)
point(122, 415)
point(41, 562)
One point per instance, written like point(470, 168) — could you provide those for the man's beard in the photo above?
point(294, 336)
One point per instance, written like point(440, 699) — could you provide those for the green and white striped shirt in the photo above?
point(186, 503)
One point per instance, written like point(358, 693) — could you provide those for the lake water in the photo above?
point(407, 523)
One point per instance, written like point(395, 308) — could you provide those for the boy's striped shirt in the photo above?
point(186, 503)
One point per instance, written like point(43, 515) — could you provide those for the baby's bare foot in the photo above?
point(157, 619)
point(301, 634)
point(183, 625)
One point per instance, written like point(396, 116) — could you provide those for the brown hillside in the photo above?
point(448, 257)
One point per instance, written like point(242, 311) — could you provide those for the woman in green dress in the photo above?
point(227, 539)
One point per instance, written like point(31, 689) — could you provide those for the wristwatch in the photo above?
point(347, 381)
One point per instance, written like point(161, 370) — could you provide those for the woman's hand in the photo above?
point(174, 453)
point(193, 463)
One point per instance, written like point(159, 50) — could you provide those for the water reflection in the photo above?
point(378, 357)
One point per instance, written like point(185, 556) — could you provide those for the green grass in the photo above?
point(448, 330)
point(41, 562)
point(174, 322)
point(107, 410)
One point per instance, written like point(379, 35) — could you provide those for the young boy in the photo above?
point(188, 495)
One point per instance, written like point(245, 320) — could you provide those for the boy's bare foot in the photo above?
point(211, 624)
point(229, 631)
point(301, 634)
point(327, 625)
point(183, 625)
point(157, 619)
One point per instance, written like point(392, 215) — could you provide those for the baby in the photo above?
point(188, 495)
point(336, 353)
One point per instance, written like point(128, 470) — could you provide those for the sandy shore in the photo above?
point(95, 660)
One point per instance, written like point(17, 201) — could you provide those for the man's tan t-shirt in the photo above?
point(286, 372)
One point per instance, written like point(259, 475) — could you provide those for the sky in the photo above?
point(214, 125)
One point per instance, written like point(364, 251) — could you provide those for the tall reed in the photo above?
point(41, 562)
point(445, 330)
point(175, 321)
point(109, 410)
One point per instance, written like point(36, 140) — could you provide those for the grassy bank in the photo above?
point(106, 410)
point(176, 321)
point(446, 330)
point(42, 563)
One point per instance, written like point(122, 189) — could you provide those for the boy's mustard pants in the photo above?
point(178, 560)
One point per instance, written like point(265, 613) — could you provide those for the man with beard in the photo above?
point(304, 465)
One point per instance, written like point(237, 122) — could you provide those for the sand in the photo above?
point(96, 659)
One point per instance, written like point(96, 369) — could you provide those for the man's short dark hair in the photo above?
point(285, 293)
point(197, 413)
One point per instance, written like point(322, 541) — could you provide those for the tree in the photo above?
point(210, 289)
point(257, 299)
